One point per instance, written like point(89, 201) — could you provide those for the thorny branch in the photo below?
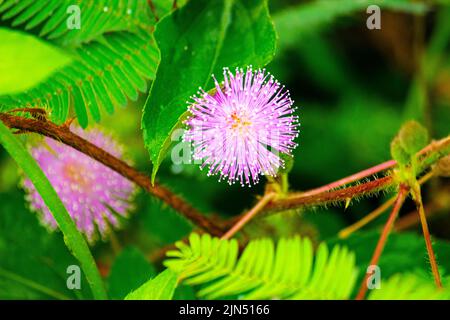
point(64, 135)
point(297, 200)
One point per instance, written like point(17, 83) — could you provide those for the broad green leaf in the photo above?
point(72, 237)
point(162, 287)
point(196, 41)
point(25, 61)
point(130, 270)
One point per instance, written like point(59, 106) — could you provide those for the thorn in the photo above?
point(68, 123)
point(347, 203)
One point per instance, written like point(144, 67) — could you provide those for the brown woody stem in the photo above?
point(64, 135)
point(428, 156)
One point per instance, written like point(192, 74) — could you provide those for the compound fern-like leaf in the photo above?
point(97, 17)
point(105, 73)
point(408, 287)
point(114, 55)
point(290, 270)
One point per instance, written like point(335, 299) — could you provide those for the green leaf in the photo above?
point(289, 270)
point(413, 137)
point(129, 271)
point(72, 237)
point(102, 76)
point(51, 18)
point(114, 54)
point(25, 61)
point(162, 287)
point(196, 41)
point(408, 287)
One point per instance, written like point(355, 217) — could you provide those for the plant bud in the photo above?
point(413, 137)
point(398, 153)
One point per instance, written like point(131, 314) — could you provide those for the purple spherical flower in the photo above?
point(240, 128)
point(93, 194)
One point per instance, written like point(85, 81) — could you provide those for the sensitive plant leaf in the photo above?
point(162, 287)
point(196, 41)
point(73, 239)
point(72, 23)
point(288, 270)
point(105, 74)
point(408, 287)
point(130, 270)
point(25, 61)
point(113, 51)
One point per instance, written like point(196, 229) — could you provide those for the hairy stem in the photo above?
point(344, 233)
point(417, 196)
point(64, 135)
point(320, 196)
point(298, 200)
point(402, 193)
point(351, 178)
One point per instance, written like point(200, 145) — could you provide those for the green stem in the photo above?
point(284, 183)
point(73, 239)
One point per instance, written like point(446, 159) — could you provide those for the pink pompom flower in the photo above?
point(93, 194)
point(240, 128)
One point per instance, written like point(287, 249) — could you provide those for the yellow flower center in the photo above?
point(239, 122)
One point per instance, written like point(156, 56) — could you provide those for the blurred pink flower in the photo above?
point(92, 193)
